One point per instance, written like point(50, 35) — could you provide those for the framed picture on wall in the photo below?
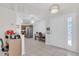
point(48, 30)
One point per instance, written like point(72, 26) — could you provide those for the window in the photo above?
point(69, 31)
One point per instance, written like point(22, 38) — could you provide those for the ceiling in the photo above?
point(31, 8)
point(39, 9)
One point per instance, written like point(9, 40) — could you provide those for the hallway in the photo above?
point(38, 48)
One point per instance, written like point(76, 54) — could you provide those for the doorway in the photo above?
point(27, 31)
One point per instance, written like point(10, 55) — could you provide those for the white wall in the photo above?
point(39, 26)
point(57, 26)
point(19, 21)
point(7, 21)
point(77, 31)
point(58, 36)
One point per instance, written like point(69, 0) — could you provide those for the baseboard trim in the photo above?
point(62, 48)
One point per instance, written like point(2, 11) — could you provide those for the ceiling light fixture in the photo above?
point(54, 9)
point(32, 21)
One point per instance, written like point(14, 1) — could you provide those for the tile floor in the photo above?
point(38, 48)
point(1, 53)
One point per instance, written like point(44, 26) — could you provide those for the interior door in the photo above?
point(30, 32)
